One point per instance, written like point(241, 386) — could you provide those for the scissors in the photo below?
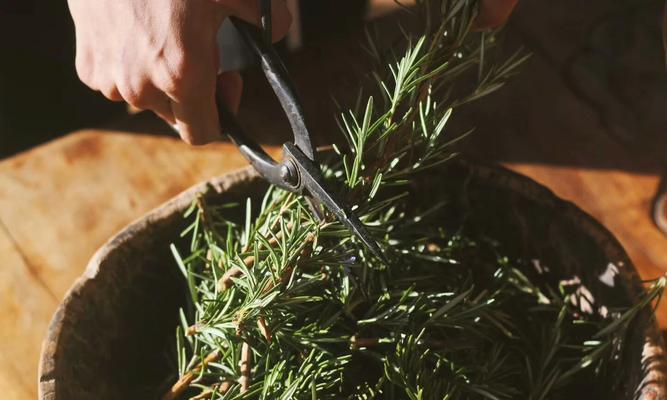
point(298, 172)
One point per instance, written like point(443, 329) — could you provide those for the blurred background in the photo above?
point(42, 97)
point(586, 117)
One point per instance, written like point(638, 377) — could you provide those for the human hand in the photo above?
point(162, 55)
point(493, 13)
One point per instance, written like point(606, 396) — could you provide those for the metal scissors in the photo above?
point(298, 171)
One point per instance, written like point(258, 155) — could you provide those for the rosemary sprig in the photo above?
point(285, 306)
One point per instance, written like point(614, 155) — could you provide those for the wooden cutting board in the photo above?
point(61, 201)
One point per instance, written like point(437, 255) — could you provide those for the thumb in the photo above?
point(230, 88)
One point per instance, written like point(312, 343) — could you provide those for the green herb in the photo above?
point(284, 306)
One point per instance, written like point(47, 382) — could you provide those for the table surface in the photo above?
point(61, 201)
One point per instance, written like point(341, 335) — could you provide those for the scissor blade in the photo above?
point(313, 182)
point(344, 215)
point(351, 220)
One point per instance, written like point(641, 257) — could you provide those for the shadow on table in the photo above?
point(592, 95)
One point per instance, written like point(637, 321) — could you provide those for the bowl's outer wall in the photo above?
point(112, 335)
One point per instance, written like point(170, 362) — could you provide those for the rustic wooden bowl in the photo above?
point(101, 343)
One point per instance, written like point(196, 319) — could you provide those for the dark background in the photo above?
point(607, 54)
point(41, 96)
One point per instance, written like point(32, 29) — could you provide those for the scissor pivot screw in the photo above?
point(289, 174)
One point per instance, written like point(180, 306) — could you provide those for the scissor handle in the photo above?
point(298, 171)
point(282, 173)
point(279, 79)
point(271, 170)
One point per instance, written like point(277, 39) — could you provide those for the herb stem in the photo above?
point(226, 280)
point(263, 328)
point(217, 388)
point(245, 364)
point(184, 381)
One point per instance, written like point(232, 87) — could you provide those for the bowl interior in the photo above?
point(113, 337)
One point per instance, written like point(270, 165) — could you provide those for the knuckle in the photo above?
point(84, 69)
point(177, 79)
point(132, 94)
point(109, 91)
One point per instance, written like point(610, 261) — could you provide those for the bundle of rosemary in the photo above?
point(284, 306)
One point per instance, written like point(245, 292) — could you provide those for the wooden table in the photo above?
point(61, 201)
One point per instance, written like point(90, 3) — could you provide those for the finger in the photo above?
point(86, 71)
point(157, 101)
point(197, 117)
point(164, 111)
point(145, 96)
point(111, 92)
point(230, 87)
point(281, 18)
point(190, 84)
point(493, 13)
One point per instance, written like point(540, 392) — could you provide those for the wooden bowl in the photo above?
point(111, 336)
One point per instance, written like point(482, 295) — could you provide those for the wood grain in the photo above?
point(58, 204)
point(25, 308)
